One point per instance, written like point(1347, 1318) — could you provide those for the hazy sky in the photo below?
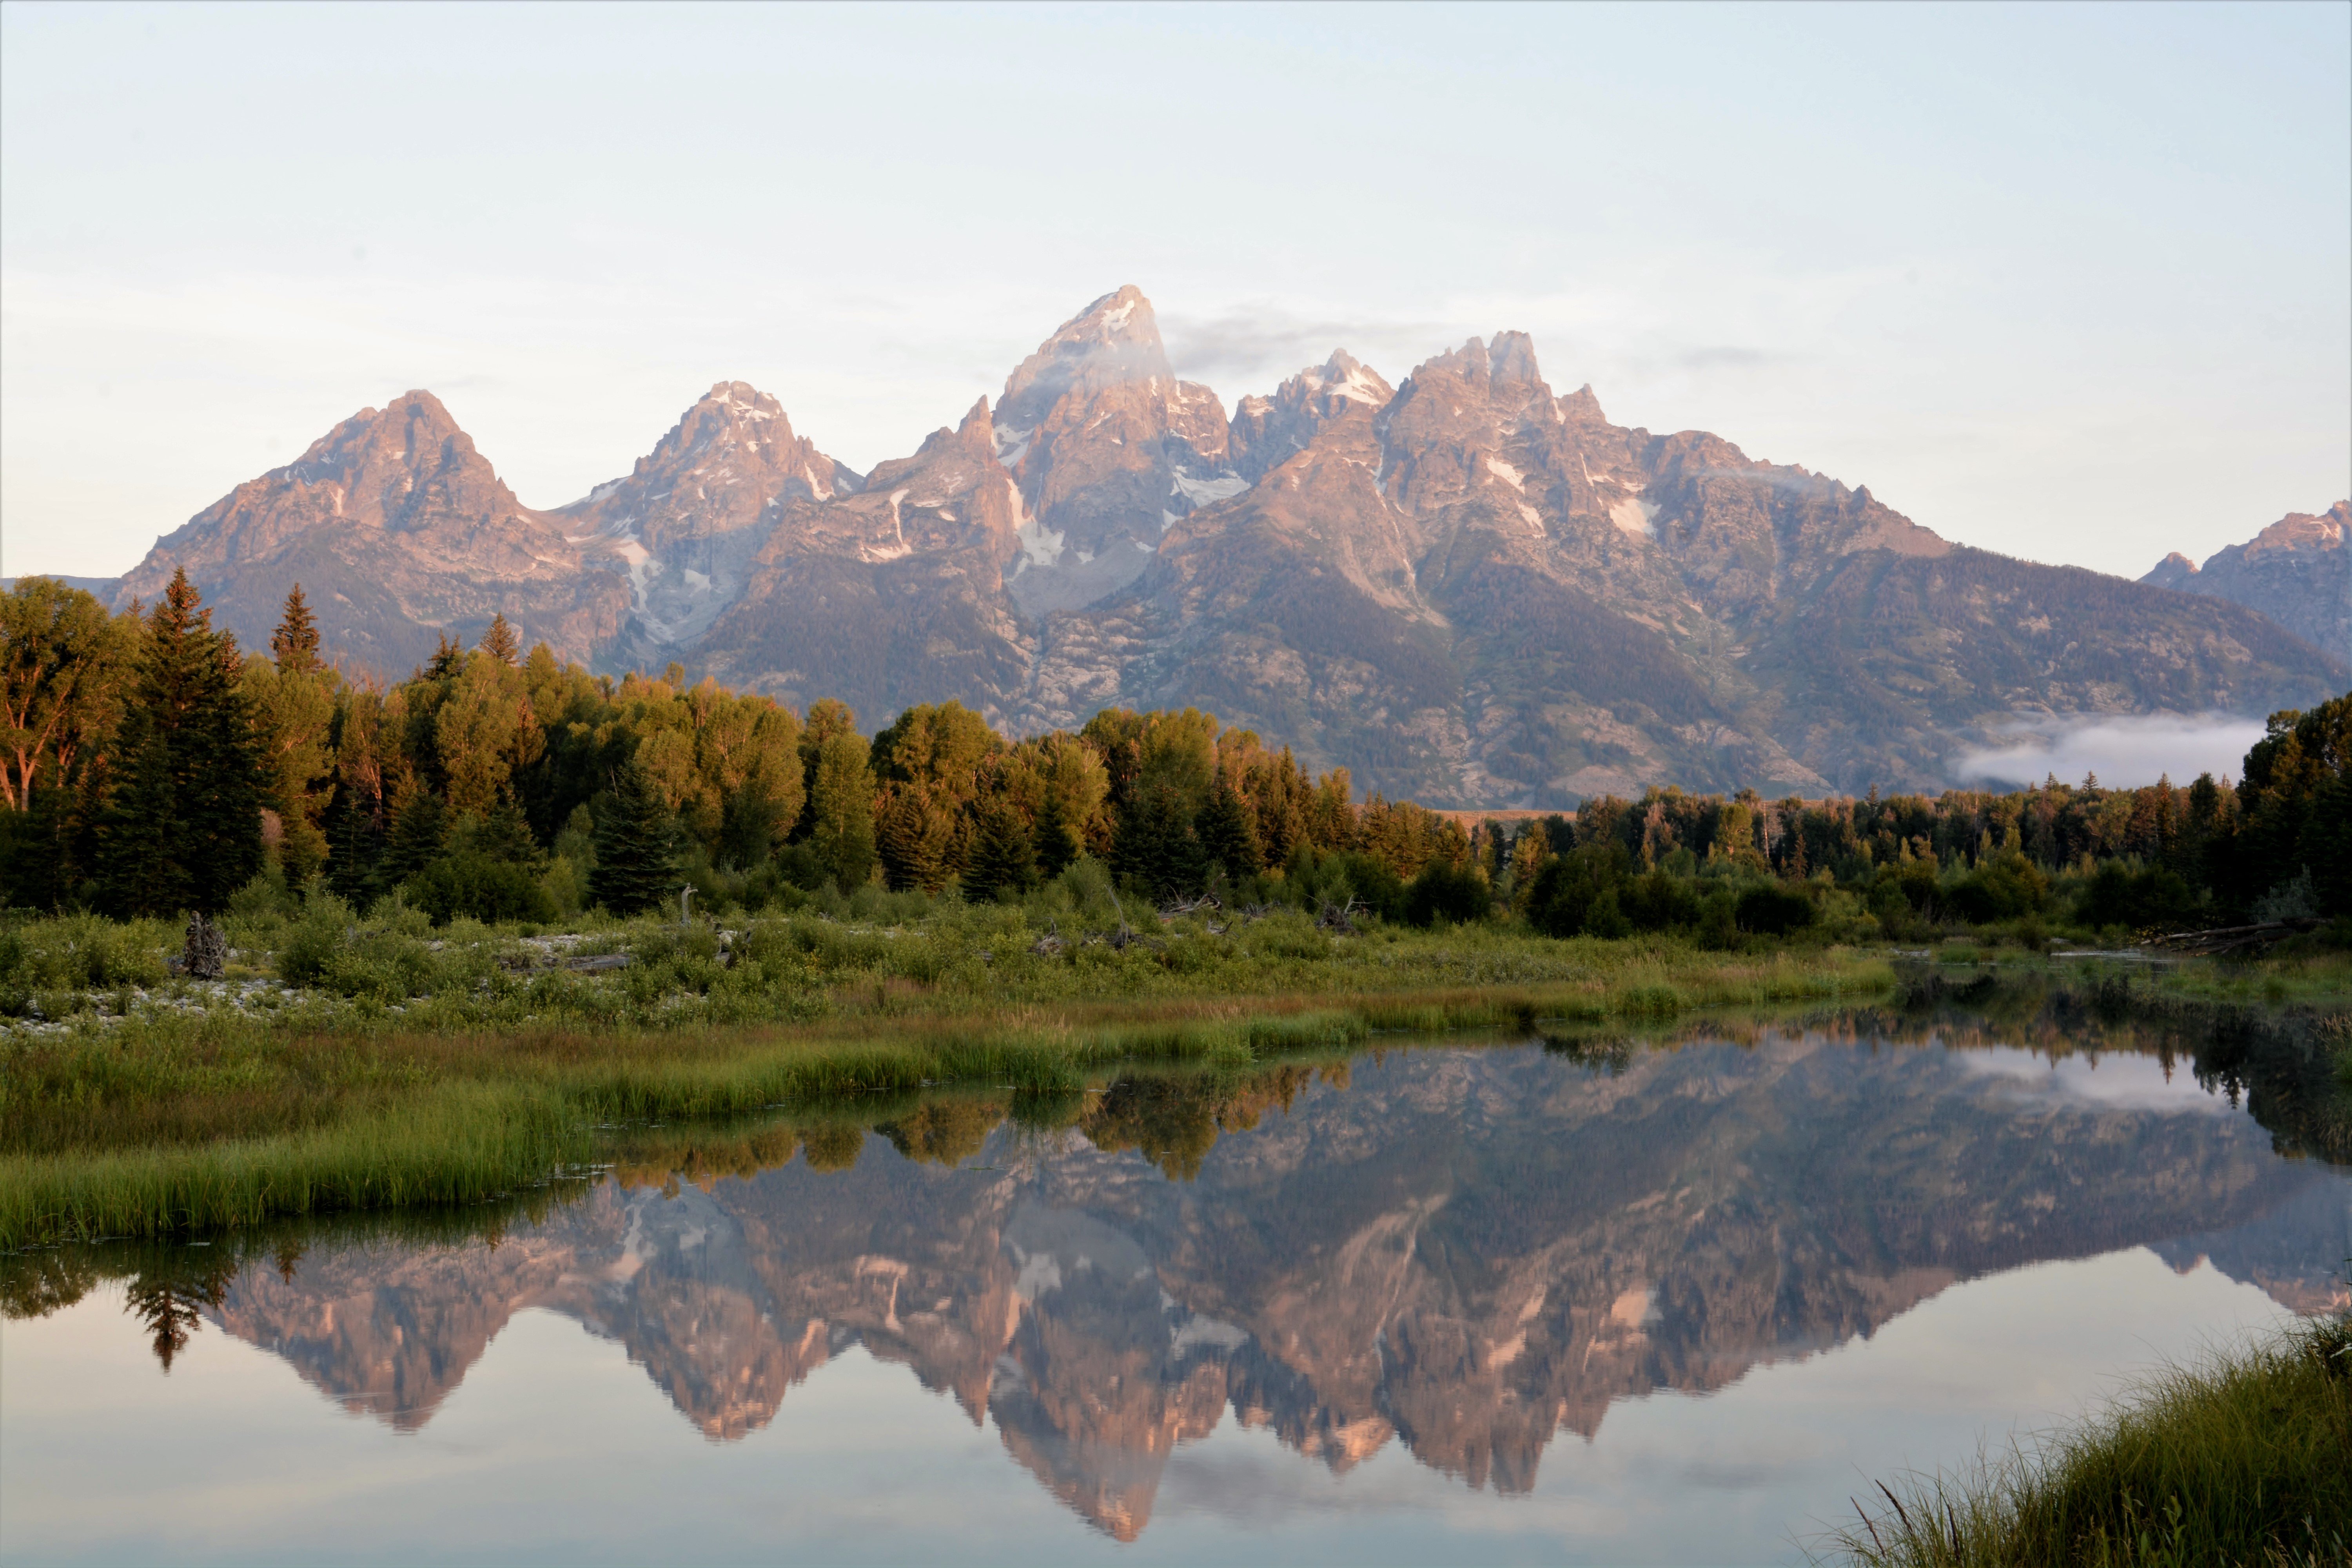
point(2075, 284)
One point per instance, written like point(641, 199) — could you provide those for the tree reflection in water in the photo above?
point(174, 1288)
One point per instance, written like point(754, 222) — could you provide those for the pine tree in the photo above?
point(915, 837)
point(500, 642)
point(1003, 855)
point(137, 872)
point(295, 644)
point(1058, 845)
point(420, 831)
point(636, 847)
point(1228, 836)
point(183, 826)
point(355, 845)
point(293, 705)
point(1155, 850)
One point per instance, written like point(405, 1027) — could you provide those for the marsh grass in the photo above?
point(2245, 1460)
point(489, 1078)
point(385, 1060)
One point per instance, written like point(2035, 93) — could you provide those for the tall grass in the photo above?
point(221, 1126)
point(456, 1143)
point(2246, 1461)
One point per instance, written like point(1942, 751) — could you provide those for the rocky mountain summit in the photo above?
point(1465, 587)
point(397, 529)
point(2297, 572)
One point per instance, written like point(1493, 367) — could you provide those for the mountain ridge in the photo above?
point(1465, 588)
point(2297, 572)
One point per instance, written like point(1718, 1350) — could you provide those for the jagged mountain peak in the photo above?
point(1582, 406)
point(413, 430)
point(1114, 340)
point(689, 518)
point(1507, 359)
point(2303, 530)
point(1267, 429)
point(1344, 375)
point(2295, 571)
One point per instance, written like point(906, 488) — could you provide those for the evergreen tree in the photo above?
point(504, 836)
point(916, 837)
point(1155, 850)
point(295, 644)
point(637, 846)
point(293, 703)
point(500, 642)
point(1058, 845)
point(1228, 835)
point(420, 831)
point(355, 845)
point(137, 872)
point(183, 828)
point(1003, 855)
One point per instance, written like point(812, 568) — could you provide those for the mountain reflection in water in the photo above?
point(1463, 1252)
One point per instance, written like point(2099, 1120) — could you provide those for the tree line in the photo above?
point(149, 766)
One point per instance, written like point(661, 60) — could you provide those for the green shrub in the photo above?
point(2119, 896)
point(77, 952)
point(1658, 901)
point(328, 951)
point(1577, 892)
point(478, 886)
point(1773, 911)
point(2003, 889)
point(1448, 893)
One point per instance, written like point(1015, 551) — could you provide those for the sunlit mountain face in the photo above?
point(1461, 1253)
point(1468, 588)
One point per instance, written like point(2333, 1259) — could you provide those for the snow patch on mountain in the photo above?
point(1208, 492)
point(1636, 516)
point(1040, 545)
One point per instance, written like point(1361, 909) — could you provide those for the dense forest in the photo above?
point(149, 766)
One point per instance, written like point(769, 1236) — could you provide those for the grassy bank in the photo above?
point(2243, 1461)
point(345, 1064)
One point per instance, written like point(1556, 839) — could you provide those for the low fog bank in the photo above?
point(2123, 750)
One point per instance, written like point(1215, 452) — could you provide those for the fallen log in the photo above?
point(2227, 939)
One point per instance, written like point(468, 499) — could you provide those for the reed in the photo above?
point(171, 1109)
point(2242, 1460)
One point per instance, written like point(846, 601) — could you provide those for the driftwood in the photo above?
point(206, 956)
point(1341, 918)
point(1178, 906)
point(594, 963)
point(2231, 938)
point(1052, 943)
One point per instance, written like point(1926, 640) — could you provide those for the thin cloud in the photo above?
point(1729, 356)
point(2123, 750)
point(1254, 344)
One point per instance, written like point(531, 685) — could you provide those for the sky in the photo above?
point(2075, 284)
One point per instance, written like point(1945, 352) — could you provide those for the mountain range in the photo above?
point(1464, 588)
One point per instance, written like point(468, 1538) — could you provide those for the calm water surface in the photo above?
point(1438, 1305)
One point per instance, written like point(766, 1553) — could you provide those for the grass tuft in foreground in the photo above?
point(2246, 1461)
